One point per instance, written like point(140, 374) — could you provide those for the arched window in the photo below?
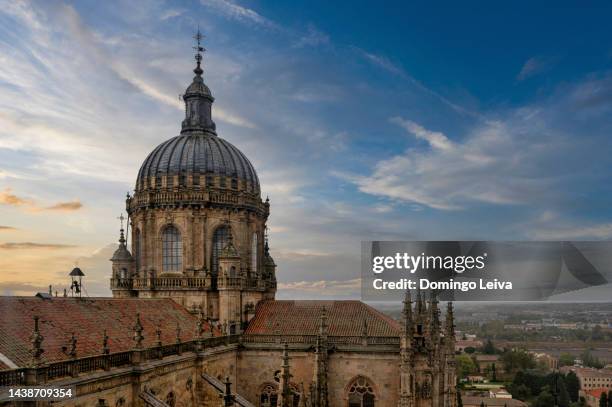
point(268, 396)
point(220, 238)
point(136, 248)
point(361, 393)
point(254, 253)
point(172, 249)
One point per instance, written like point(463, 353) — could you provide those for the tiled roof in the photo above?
point(87, 318)
point(344, 318)
point(597, 392)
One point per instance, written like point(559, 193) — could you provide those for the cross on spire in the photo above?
point(121, 218)
point(198, 49)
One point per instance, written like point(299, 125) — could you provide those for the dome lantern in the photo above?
point(198, 98)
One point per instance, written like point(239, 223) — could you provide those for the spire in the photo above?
point(121, 231)
point(419, 306)
point(435, 316)
point(407, 314)
point(285, 389)
point(450, 324)
point(198, 98)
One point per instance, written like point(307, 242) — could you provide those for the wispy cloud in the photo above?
point(312, 38)
point(534, 66)
point(7, 197)
point(65, 206)
point(32, 245)
point(381, 61)
point(4, 227)
point(435, 139)
point(234, 11)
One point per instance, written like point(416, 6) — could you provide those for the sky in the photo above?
point(364, 121)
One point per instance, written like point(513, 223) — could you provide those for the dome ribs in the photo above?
point(196, 154)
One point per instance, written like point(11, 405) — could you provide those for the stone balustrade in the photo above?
point(73, 367)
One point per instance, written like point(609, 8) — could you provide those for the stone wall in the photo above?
point(257, 367)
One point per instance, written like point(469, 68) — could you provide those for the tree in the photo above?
point(562, 395)
point(520, 392)
point(469, 349)
point(545, 399)
point(489, 348)
point(518, 359)
point(573, 385)
point(566, 359)
point(493, 373)
point(603, 400)
point(589, 360)
point(465, 365)
point(459, 401)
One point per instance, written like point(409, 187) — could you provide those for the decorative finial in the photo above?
point(121, 234)
point(198, 49)
point(73, 346)
point(201, 324)
point(138, 337)
point(158, 333)
point(37, 340)
point(105, 348)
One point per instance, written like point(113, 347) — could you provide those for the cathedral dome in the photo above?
point(197, 154)
point(197, 157)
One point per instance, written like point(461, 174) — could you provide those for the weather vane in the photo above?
point(199, 49)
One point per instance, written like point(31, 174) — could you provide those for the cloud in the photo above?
point(312, 38)
point(336, 289)
point(65, 206)
point(170, 13)
point(381, 61)
point(233, 11)
point(532, 67)
point(434, 138)
point(2, 227)
point(8, 198)
point(21, 288)
point(598, 232)
point(32, 245)
point(496, 163)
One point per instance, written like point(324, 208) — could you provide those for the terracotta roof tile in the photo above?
point(87, 318)
point(344, 318)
